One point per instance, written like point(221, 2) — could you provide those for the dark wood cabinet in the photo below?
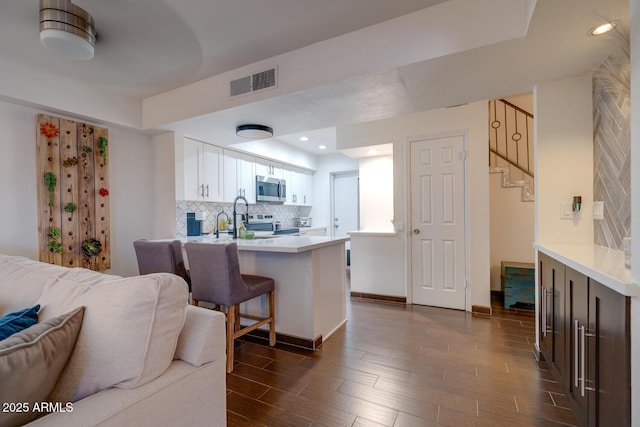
point(608, 380)
point(585, 338)
point(552, 314)
point(578, 316)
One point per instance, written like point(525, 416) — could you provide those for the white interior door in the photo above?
point(345, 204)
point(438, 264)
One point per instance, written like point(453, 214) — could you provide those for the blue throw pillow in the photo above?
point(16, 322)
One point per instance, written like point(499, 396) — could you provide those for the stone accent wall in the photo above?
point(611, 156)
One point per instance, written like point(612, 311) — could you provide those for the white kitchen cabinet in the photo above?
point(294, 186)
point(307, 188)
point(299, 186)
point(239, 177)
point(202, 171)
point(265, 167)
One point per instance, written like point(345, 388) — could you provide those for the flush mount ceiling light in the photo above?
point(602, 29)
point(67, 29)
point(322, 147)
point(304, 138)
point(254, 131)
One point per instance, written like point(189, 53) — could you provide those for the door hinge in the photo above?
point(466, 283)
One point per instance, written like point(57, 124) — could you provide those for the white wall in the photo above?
point(276, 150)
point(635, 208)
point(327, 164)
point(468, 119)
point(165, 182)
point(376, 193)
point(375, 263)
point(564, 159)
point(512, 224)
point(131, 180)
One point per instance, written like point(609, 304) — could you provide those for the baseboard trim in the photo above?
point(481, 309)
point(388, 298)
point(305, 343)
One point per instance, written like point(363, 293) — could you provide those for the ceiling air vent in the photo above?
point(253, 83)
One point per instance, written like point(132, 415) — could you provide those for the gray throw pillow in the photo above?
point(31, 362)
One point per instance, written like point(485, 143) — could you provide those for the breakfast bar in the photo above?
point(309, 272)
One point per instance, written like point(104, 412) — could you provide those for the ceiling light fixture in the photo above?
point(254, 131)
point(304, 138)
point(602, 29)
point(322, 147)
point(67, 29)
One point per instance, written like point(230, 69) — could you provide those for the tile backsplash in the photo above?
point(612, 154)
point(282, 213)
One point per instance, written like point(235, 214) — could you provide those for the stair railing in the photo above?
point(509, 135)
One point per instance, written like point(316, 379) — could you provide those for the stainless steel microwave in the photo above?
point(270, 190)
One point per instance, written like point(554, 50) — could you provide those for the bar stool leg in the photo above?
point(194, 302)
point(231, 315)
point(272, 314)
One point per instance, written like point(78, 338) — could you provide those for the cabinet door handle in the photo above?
point(583, 353)
point(207, 190)
point(576, 353)
point(202, 190)
point(543, 310)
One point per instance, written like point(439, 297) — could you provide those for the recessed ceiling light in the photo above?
point(304, 138)
point(322, 147)
point(372, 152)
point(601, 29)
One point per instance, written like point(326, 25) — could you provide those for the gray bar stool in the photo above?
point(216, 278)
point(161, 256)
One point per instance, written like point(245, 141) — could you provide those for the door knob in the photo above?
point(416, 231)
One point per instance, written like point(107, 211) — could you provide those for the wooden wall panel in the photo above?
point(49, 213)
point(81, 171)
point(69, 191)
point(101, 167)
point(86, 211)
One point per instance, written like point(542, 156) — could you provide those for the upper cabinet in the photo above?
point(299, 186)
point(265, 167)
point(202, 171)
point(214, 174)
point(239, 176)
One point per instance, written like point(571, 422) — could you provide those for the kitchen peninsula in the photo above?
point(309, 272)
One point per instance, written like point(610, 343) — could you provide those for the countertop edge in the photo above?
point(372, 233)
point(253, 246)
point(614, 280)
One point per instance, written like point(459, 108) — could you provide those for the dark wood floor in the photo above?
point(396, 365)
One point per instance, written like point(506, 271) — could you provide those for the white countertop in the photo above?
point(286, 244)
point(372, 233)
point(597, 262)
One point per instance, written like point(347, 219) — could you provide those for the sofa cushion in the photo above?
point(129, 335)
point(30, 363)
point(22, 281)
point(17, 321)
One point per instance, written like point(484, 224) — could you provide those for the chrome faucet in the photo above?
point(218, 222)
point(235, 223)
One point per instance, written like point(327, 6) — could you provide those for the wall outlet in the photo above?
point(598, 210)
point(565, 210)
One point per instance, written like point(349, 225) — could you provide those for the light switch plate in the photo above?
point(598, 210)
point(565, 210)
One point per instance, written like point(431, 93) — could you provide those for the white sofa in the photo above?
point(142, 357)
